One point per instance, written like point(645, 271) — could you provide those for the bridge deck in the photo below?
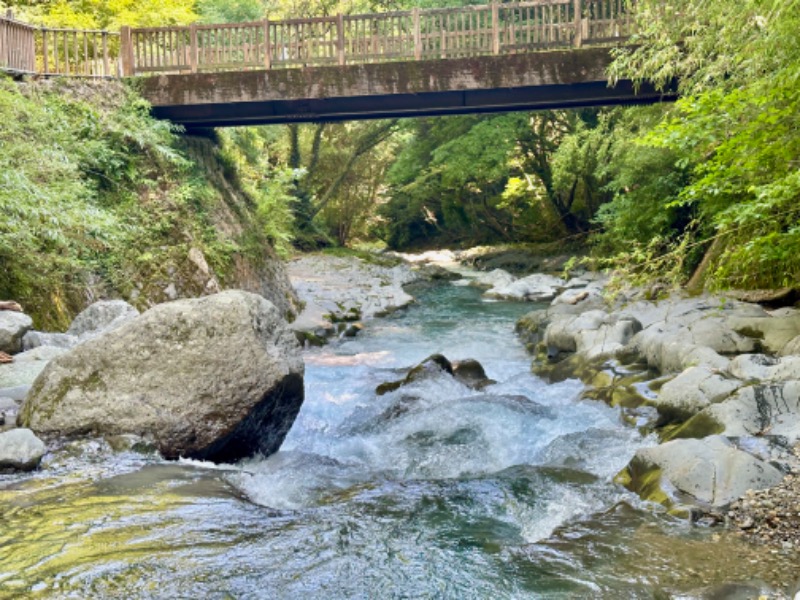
point(557, 79)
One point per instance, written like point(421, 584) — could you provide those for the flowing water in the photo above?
point(431, 491)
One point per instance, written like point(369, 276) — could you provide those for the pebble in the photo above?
point(772, 516)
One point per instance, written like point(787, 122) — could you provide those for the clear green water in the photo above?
point(506, 493)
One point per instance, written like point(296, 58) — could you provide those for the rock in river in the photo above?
point(216, 378)
point(710, 471)
point(13, 326)
point(20, 450)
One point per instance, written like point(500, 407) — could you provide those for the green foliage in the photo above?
point(231, 11)
point(108, 14)
point(98, 198)
point(251, 153)
point(476, 179)
point(734, 132)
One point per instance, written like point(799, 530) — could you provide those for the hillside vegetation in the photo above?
point(100, 199)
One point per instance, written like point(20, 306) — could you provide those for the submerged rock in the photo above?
point(216, 378)
point(709, 471)
point(471, 373)
point(20, 450)
point(468, 372)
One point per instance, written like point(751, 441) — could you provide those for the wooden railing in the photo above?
point(28, 49)
point(493, 29)
point(17, 45)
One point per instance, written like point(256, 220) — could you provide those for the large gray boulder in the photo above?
point(793, 347)
point(13, 327)
point(216, 378)
point(710, 471)
point(20, 450)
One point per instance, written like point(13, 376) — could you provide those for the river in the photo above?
point(432, 491)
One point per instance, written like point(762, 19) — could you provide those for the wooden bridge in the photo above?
point(525, 55)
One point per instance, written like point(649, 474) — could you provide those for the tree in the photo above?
point(734, 129)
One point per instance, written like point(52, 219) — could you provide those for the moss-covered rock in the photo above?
point(708, 472)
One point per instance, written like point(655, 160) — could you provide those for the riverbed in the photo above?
point(435, 490)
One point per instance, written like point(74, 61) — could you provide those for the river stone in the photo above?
point(27, 366)
point(594, 333)
point(493, 279)
point(533, 288)
point(216, 378)
point(761, 409)
point(471, 373)
point(35, 339)
point(774, 330)
point(20, 450)
point(102, 316)
point(765, 368)
point(682, 332)
point(16, 393)
point(692, 391)
point(711, 471)
point(588, 298)
point(13, 327)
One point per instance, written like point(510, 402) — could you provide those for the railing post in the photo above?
point(106, 70)
point(495, 28)
point(193, 55)
point(578, 39)
point(340, 37)
point(46, 59)
point(267, 46)
point(126, 51)
point(32, 51)
point(417, 34)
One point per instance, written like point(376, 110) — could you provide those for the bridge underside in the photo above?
point(556, 79)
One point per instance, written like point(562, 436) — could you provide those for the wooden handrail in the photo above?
point(417, 34)
point(32, 50)
point(362, 38)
